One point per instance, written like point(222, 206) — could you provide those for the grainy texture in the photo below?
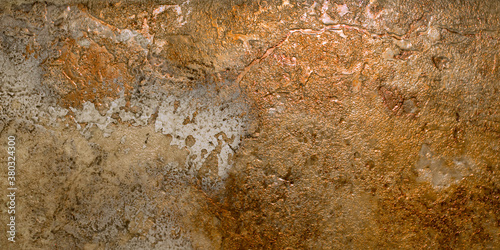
point(252, 124)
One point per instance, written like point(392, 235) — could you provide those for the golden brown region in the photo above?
point(332, 162)
point(90, 74)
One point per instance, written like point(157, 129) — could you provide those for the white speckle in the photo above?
point(341, 33)
point(369, 14)
point(324, 7)
point(389, 54)
point(403, 44)
point(433, 34)
point(342, 9)
point(84, 42)
point(312, 10)
point(178, 10)
point(433, 169)
point(280, 108)
point(326, 19)
point(159, 10)
point(223, 159)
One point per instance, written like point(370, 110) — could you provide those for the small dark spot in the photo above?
point(190, 141)
point(403, 55)
point(441, 62)
point(391, 98)
point(409, 106)
point(376, 8)
point(176, 106)
point(370, 164)
point(312, 160)
point(455, 133)
point(136, 187)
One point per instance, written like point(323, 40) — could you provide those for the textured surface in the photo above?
point(252, 124)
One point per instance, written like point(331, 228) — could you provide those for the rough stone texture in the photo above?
point(252, 124)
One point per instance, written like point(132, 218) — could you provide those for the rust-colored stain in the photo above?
point(90, 74)
point(29, 51)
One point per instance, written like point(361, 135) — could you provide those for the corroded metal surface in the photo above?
point(253, 124)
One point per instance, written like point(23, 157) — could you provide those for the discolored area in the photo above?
point(99, 76)
point(253, 124)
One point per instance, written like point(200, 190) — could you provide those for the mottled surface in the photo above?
point(252, 124)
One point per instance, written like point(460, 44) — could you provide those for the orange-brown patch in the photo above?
point(90, 74)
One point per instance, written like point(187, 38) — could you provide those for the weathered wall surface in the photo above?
point(251, 124)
